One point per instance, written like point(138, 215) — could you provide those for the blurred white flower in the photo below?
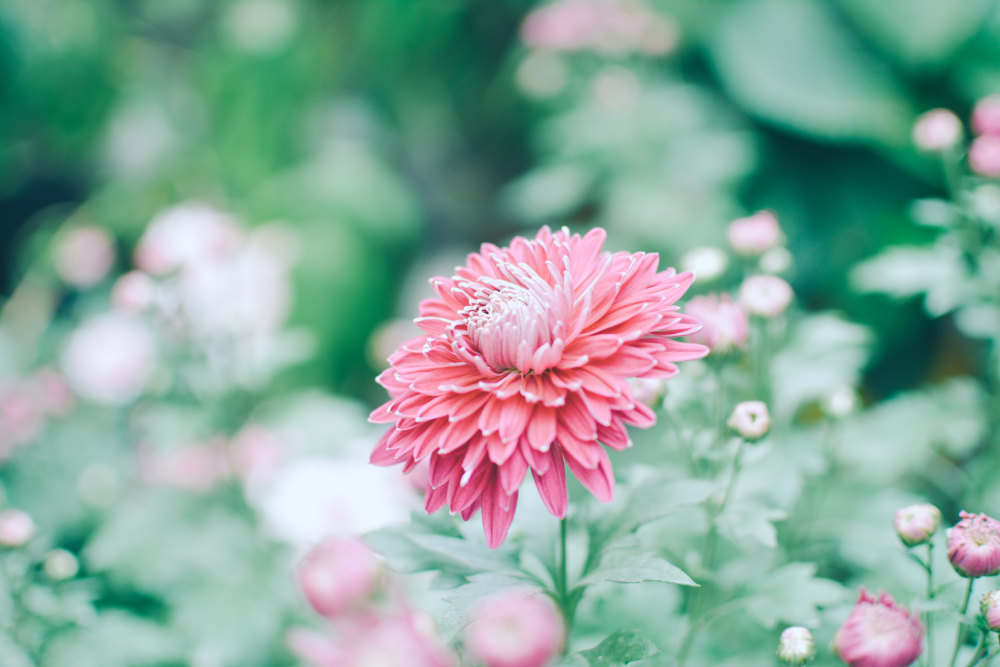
point(776, 260)
point(109, 358)
point(706, 263)
point(312, 498)
point(260, 25)
point(766, 296)
point(937, 130)
point(133, 292)
point(138, 138)
point(83, 255)
point(184, 235)
point(541, 74)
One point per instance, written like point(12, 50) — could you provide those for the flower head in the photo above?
point(916, 524)
point(974, 545)
point(515, 629)
point(337, 575)
point(110, 358)
point(986, 115)
point(989, 607)
point(750, 419)
point(984, 155)
point(766, 296)
point(724, 324)
point(524, 366)
point(937, 130)
point(755, 234)
point(796, 645)
point(84, 255)
point(879, 633)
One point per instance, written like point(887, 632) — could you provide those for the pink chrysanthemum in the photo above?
point(879, 633)
point(524, 365)
point(974, 545)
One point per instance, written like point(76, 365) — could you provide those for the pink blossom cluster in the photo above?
point(605, 26)
point(984, 152)
point(26, 404)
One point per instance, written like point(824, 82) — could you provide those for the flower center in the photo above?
point(508, 324)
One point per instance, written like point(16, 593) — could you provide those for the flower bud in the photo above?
point(337, 575)
point(879, 632)
point(916, 524)
point(755, 234)
point(937, 130)
point(60, 564)
point(984, 155)
point(750, 419)
point(766, 296)
point(84, 255)
point(724, 324)
point(989, 607)
point(16, 528)
point(796, 645)
point(974, 545)
point(515, 629)
point(986, 116)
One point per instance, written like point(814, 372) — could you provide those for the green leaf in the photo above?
point(620, 648)
point(625, 567)
point(548, 192)
point(905, 271)
point(749, 521)
point(791, 594)
point(794, 64)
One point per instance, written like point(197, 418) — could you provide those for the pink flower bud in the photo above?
point(986, 115)
point(916, 524)
point(755, 234)
point(337, 575)
point(133, 292)
point(974, 545)
point(937, 130)
point(989, 607)
point(766, 296)
point(724, 324)
point(879, 633)
point(314, 648)
point(984, 155)
point(16, 528)
point(796, 645)
point(84, 255)
point(515, 629)
point(750, 419)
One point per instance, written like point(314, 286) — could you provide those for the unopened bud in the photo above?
point(750, 419)
point(937, 130)
point(796, 645)
point(16, 528)
point(989, 607)
point(916, 524)
point(60, 564)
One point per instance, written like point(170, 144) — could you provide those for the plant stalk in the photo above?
point(959, 629)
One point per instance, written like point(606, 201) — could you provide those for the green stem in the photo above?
point(980, 651)
point(929, 614)
point(565, 599)
point(958, 630)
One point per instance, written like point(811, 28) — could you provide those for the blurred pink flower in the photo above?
point(184, 235)
point(372, 641)
point(21, 415)
point(109, 358)
point(612, 26)
point(524, 365)
point(515, 629)
point(256, 453)
point(879, 633)
point(986, 115)
point(724, 324)
point(916, 524)
point(84, 255)
point(750, 419)
point(52, 392)
point(315, 648)
point(337, 575)
point(766, 296)
point(16, 528)
point(989, 607)
point(755, 234)
point(196, 467)
point(974, 545)
point(937, 130)
point(984, 155)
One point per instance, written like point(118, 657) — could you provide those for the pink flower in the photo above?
point(337, 575)
point(755, 234)
point(974, 545)
point(765, 296)
point(986, 115)
point(110, 358)
point(372, 641)
point(937, 130)
point(989, 607)
point(184, 235)
point(133, 292)
point(724, 324)
point(750, 419)
point(524, 366)
point(916, 524)
point(515, 629)
point(314, 648)
point(16, 528)
point(984, 155)
point(195, 467)
point(84, 255)
point(879, 633)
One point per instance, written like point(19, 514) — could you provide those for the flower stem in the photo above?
point(929, 615)
point(958, 630)
point(980, 651)
point(564, 597)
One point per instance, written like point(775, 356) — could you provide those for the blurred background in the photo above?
point(216, 218)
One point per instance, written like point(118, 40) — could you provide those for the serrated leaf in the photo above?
point(749, 521)
point(905, 271)
point(790, 594)
point(620, 648)
point(625, 567)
